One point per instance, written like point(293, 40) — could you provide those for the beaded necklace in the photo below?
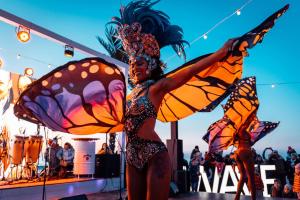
point(140, 87)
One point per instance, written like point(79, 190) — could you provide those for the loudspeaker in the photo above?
point(78, 197)
point(107, 166)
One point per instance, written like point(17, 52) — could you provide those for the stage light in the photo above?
point(28, 71)
point(23, 34)
point(69, 51)
point(238, 12)
point(204, 36)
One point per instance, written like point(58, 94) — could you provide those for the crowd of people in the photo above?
point(287, 173)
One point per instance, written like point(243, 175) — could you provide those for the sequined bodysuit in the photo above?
point(138, 109)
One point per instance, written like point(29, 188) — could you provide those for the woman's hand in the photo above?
point(227, 47)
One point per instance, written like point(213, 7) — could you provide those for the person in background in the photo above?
point(66, 157)
point(104, 149)
point(296, 186)
point(288, 192)
point(50, 156)
point(276, 189)
point(289, 152)
point(259, 160)
point(259, 185)
point(294, 160)
point(195, 150)
point(194, 168)
point(280, 165)
point(244, 159)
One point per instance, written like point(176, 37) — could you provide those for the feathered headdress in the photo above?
point(143, 31)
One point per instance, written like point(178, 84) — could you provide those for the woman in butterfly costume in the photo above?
point(87, 96)
point(148, 163)
point(240, 127)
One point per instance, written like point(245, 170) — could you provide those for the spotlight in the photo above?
point(23, 34)
point(28, 72)
point(69, 51)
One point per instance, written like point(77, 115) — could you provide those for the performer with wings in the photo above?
point(241, 128)
point(88, 96)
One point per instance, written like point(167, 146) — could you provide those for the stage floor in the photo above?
point(56, 189)
point(188, 196)
point(25, 183)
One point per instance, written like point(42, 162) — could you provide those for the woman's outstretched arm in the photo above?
point(168, 84)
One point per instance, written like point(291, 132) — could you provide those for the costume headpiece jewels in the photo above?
point(137, 44)
point(143, 31)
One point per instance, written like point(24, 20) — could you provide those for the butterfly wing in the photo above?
point(80, 97)
point(241, 104)
point(259, 129)
point(205, 90)
point(219, 135)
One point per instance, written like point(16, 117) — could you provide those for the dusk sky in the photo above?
point(272, 62)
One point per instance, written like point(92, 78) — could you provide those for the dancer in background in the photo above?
point(244, 160)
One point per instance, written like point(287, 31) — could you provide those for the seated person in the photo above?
point(66, 157)
point(51, 156)
point(104, 149)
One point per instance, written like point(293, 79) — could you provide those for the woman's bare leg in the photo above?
point(159, 177)
point(249, 167)
point(242, 177)
point(136, 183)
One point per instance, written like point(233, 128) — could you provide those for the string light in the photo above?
point(19, 56)
point(205, 36)
point(273, 85)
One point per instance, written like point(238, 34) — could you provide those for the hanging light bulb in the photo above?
point(204, 36)
point(238, 12)
point(28, 71)
point(23, 34)
point(49, 66)
point(18, 56)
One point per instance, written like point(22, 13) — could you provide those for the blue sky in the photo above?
point(273, 61)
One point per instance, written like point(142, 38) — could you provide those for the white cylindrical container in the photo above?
point(84, 159)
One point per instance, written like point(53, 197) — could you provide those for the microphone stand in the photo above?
point(121, 153)
point(45, 166)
